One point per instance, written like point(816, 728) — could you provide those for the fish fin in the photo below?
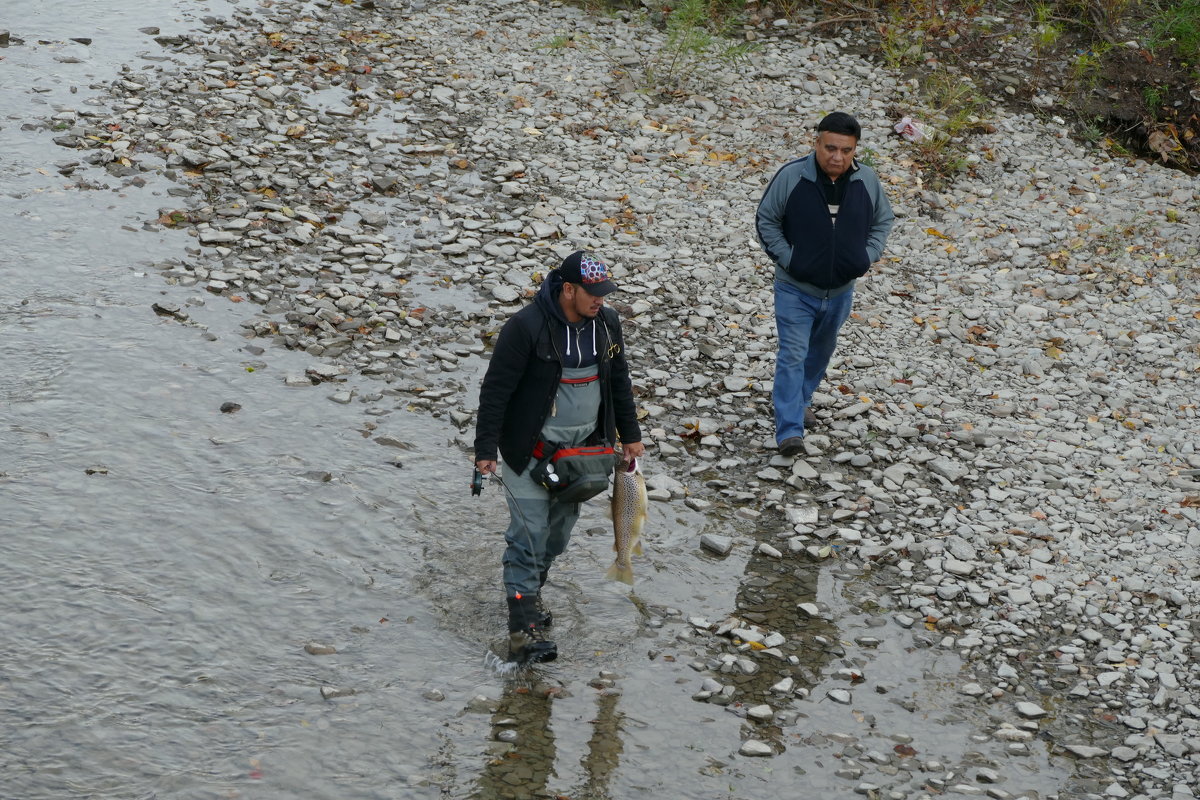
point(637, 547)
point(619, 573)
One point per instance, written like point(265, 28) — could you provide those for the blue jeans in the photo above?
point(808, 328)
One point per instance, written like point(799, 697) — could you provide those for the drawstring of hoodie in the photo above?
point(578, 354)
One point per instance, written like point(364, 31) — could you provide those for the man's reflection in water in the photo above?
point(521, 758)
point(604, 749)
point(521, 755)
point(768, 597)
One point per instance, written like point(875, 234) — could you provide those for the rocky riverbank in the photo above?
point(1007, 444)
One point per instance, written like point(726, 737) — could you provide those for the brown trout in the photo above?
point(628, 515)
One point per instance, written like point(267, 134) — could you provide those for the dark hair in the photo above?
point(840, 122)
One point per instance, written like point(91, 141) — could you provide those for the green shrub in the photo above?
point(694, 35)
point(1177, 26)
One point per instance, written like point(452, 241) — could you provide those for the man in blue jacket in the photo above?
point(558, 374)
point(823, 220)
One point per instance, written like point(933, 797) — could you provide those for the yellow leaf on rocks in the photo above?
point(919, 320)
point(1054, 352)
point(937, 233)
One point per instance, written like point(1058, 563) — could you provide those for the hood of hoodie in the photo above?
point(578, 348)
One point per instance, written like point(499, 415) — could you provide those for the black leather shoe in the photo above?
point(791, 447)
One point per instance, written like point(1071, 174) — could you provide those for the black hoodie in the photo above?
point(522, 378)
point(579, 343)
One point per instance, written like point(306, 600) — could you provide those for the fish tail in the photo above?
point(620, 572)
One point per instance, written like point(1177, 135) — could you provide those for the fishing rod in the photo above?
point(477, 483)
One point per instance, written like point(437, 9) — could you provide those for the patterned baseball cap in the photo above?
point(587, 269)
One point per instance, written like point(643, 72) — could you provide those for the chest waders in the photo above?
point(540, 526)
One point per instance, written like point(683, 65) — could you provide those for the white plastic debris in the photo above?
point(910, 129)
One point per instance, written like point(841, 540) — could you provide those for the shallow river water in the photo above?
point(165, 563)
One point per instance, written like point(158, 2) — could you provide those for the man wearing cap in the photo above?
point(823, 220)
point(557, 374)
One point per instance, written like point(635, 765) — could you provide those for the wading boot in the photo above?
point(527, 642)
point(545, 618)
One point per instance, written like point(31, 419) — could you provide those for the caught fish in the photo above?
point(628, 515)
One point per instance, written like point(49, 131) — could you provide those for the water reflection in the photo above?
point(521, 759)
point(768, 597)
point(604, 748)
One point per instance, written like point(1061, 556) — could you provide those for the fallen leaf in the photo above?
point(937, 233)
point(1163, 143)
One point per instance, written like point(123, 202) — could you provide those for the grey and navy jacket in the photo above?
point(809, 249)
point(522, 378)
